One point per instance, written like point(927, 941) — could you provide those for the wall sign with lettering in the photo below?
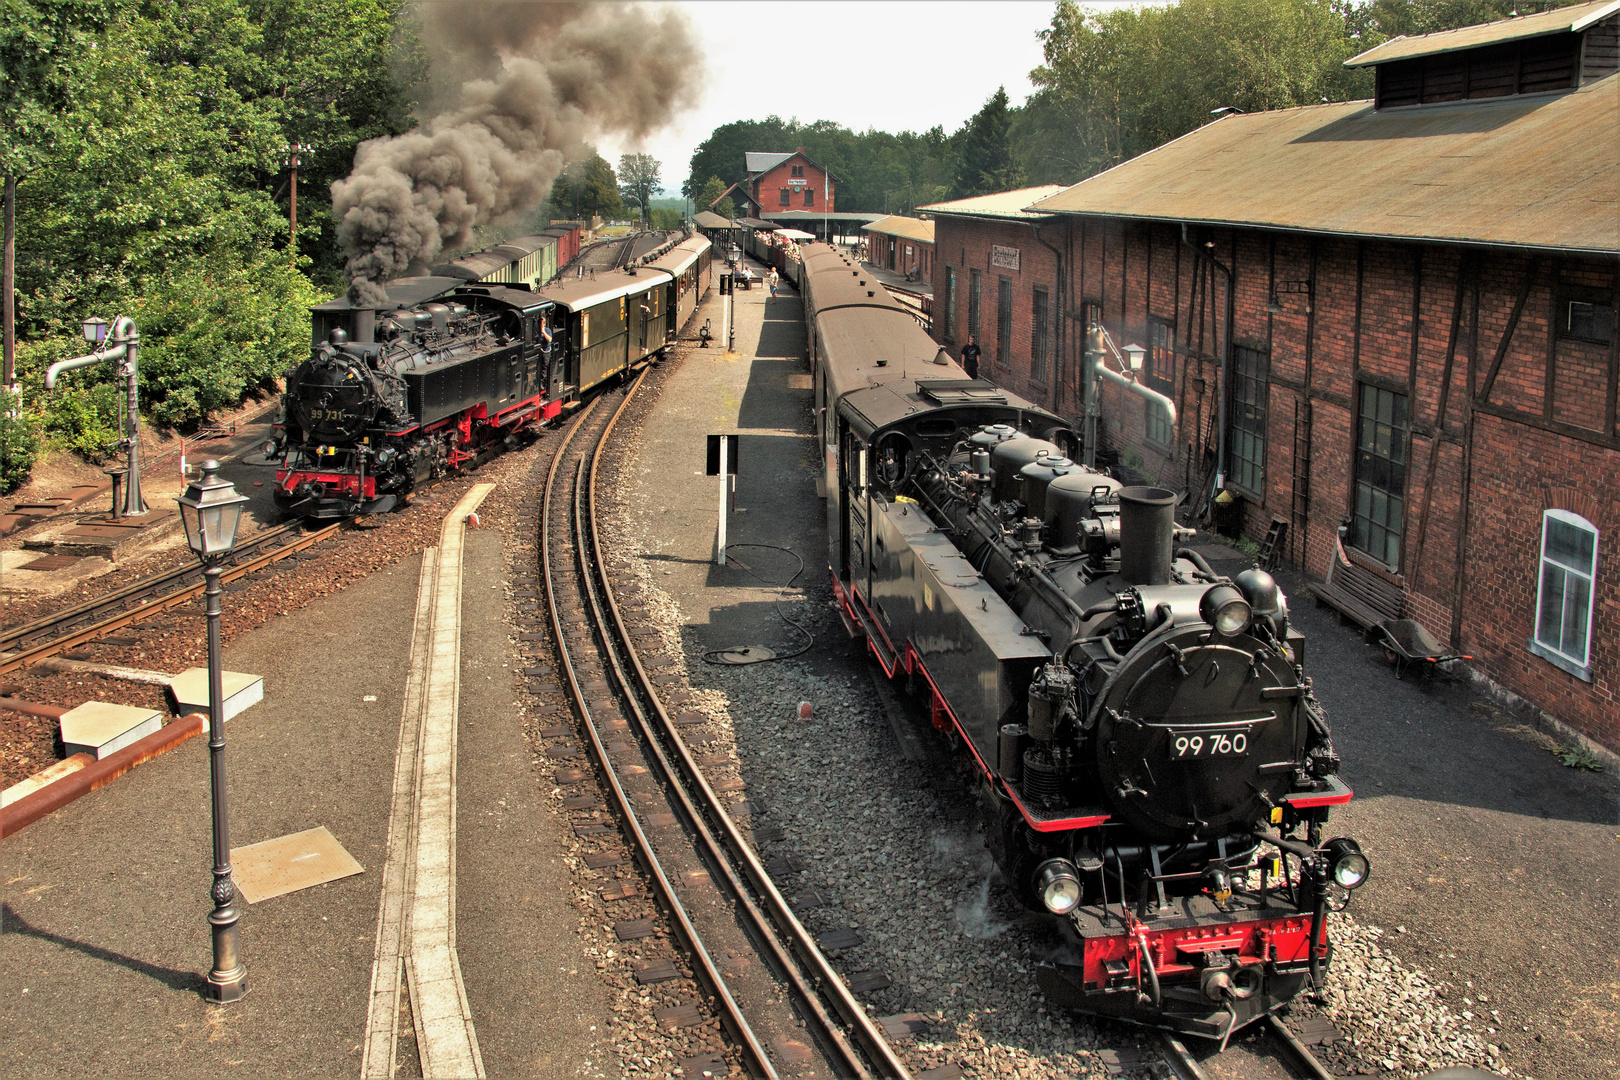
point(1004, 257)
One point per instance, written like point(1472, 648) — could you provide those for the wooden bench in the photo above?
point(1359, 595)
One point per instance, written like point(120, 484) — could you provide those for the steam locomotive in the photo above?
point(458, 363)
point(1152, 767)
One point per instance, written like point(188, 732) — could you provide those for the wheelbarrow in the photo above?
point(1405, 643)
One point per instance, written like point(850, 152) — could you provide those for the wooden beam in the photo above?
point(1512, 325)
point(1440, 419)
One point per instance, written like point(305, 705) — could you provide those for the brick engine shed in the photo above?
point(1391, 321)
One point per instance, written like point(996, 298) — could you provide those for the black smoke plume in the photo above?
point(523, 85)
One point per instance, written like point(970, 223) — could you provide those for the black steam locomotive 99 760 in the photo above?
point(1153, 769)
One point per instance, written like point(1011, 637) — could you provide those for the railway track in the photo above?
point(785, 1007)
point(1273, 1044)
point(27, 644)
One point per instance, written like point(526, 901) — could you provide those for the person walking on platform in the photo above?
point(970, 358)
point(771, 279)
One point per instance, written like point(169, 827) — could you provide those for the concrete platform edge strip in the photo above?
point(52, 797)
point(378, 1060)
point(447, 1041)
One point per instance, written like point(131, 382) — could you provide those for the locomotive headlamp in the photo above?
point(1058, 883)
point(1224, 608)
point(1346, 863)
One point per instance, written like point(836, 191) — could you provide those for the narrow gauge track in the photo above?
point(1278, 1042)
point(679, 826)
point(28, 644)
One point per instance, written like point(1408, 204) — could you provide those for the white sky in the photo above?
point(893, 65)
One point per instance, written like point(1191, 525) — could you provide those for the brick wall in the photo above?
point(768, 187)
point(1483, 457)
point(965, 244)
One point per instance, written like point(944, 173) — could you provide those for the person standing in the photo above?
point(970, 358)
point(771, 279)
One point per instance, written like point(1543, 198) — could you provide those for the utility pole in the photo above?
point(293, 151)
point(9, 274)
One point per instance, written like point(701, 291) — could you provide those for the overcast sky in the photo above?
point(894, 65)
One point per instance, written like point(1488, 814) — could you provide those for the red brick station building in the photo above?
point(1388, 326)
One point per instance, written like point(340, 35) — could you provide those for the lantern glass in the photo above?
point(95, 330)
point(211, 510)
point(1134, 354)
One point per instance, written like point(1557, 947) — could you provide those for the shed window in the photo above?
point(975, 291)
point(1160, 376)
point(950, 303)
point(1564, 604)
point(1247, 450)
point(1587, 317)
point(1380, 474)
point(1037, 348)
point(1004, 306)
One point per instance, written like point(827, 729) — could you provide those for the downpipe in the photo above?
point(1226, 360)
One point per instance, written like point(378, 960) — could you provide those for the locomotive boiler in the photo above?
point(1153, 769)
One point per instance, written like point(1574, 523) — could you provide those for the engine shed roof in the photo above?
point(402, 293)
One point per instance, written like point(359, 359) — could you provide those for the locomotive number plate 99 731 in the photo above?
point(1208, 744)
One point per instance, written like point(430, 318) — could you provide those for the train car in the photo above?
point(609, 324)
point(689, 265)
point(1152, 769)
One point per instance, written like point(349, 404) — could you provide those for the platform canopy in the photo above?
point(707, 219)
point(795, 234)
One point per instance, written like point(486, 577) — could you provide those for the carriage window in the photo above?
point(1564, 600)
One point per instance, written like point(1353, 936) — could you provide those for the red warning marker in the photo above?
point(804, 710)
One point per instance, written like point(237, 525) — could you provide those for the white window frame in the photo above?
point(1579, 666)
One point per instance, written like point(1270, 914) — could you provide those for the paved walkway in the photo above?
point(103, 905)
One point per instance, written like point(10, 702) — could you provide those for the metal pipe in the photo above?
point(1226, 357)
point(78, 362)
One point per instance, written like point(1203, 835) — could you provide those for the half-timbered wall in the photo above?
point(1508, 412)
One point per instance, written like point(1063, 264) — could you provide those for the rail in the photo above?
point(787, 950)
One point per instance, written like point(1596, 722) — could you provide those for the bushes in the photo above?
point(19, 444)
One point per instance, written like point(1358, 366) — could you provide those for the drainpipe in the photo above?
point(1057, 319)
point(1226, 359)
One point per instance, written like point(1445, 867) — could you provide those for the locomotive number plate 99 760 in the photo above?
point(1208, 744)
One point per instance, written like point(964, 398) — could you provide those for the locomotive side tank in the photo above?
point(1153, 770)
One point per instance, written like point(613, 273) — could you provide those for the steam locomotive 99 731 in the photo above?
point(1153, 768)
point(450, 368)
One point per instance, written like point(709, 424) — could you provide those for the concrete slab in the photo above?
point(286, 864)
point(190, 691)
point(101, 728)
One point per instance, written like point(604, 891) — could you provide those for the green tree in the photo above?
point(599, 189)
point(710, 198)
point(638, 181)
point(984, 151)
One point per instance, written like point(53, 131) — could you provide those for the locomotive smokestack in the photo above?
point(517, 91)
point(1147, 533)
point(365, 325)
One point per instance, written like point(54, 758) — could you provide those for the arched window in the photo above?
point(1564, 596)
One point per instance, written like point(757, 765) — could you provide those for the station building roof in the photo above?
point(757, 162)
point(1001, 204)
point(1564, 20)
point(907, 228)
point(1534, 171)
point(708, 219)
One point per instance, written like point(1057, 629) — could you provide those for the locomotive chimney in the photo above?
point(1147, 532)
point(365, 325)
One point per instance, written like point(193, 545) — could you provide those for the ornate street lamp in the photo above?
point(211, 510)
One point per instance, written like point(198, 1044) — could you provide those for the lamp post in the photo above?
point(211, 510)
